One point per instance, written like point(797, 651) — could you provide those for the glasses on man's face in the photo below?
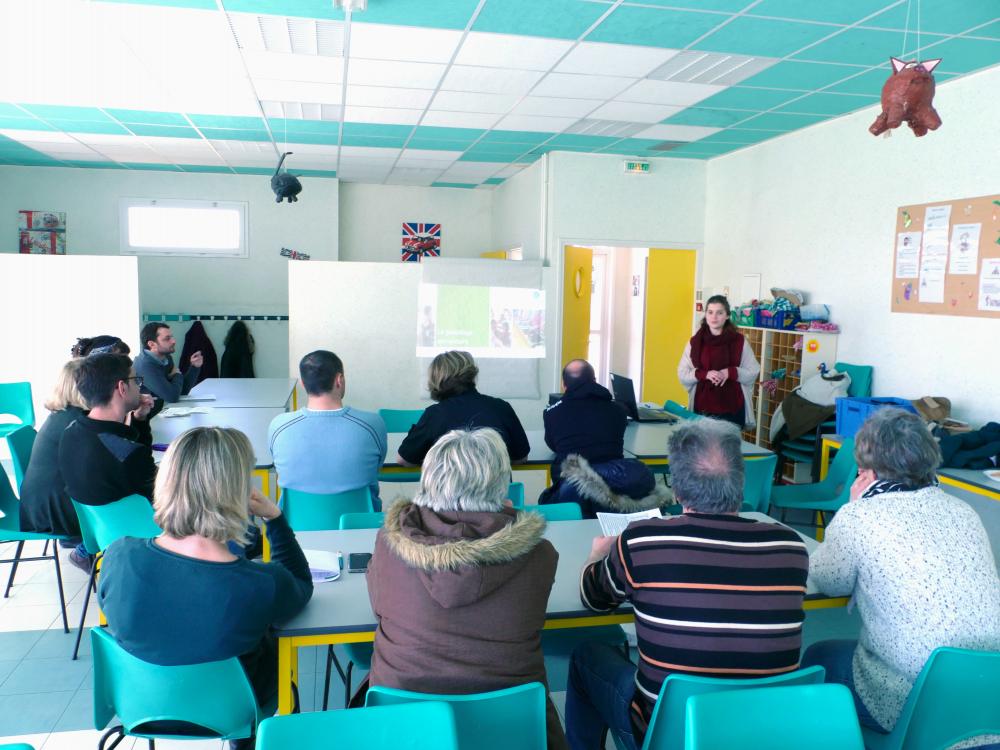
point(137, 379)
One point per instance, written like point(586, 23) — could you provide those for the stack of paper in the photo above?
point(323, 565)
point(183, 411)
point(613, 524)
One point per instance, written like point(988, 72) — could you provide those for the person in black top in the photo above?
point(452, 383)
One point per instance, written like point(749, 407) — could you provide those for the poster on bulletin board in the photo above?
point(946, 258)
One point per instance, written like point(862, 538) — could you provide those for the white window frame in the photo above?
point(124, 204)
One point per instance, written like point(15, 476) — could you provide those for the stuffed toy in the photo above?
point(906, 97)
point(285, 185)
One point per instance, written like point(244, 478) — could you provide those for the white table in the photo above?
point(246, 393)
point(647, 441)
point(539, 456)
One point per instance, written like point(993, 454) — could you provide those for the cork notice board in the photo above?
point(946, 258)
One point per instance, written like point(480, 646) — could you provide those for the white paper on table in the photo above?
point(613, 524)
point(937, 217)
point(931, 285)
point(964, 248)
point(182, 411)
point(907, 255)
point(201, 397)
point(989, 285)
point(324, 565)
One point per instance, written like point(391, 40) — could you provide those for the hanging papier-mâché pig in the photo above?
point(907, 96)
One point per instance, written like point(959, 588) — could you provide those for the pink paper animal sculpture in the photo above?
point(907, 96)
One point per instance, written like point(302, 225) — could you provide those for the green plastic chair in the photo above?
point(515, 493)
point(10, 531)
point(827, 496)
point(214, 698)
point(677, 410)
point(373, 520)
point(306, 511)
point(499, 720)
point(758, 481)
point(20, 442)
point(955, 697)
point(409, 726)
point(15, 401)
point(400, 420)
point(558, 511)
point(818, 717)
point(666, 727)
point(100, 525)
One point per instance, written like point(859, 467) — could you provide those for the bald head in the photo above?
point(577, 371)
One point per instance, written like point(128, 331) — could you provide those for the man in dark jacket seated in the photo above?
point(586, 430)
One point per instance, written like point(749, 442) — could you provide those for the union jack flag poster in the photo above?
point(420, 241)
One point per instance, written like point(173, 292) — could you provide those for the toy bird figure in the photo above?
point(906, 97)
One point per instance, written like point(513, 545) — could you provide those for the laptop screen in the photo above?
point(624, 392)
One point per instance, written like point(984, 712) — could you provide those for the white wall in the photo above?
point(519, 211)
point(257, 284)
point(815, 210)
point(372, 216)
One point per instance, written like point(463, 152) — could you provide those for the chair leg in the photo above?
point(45, 549)
point(152, 744)
point(119, 730)
point(13, 568)
point(347, 685)
point(83, 613)
point(332, 661)
point(59, 583)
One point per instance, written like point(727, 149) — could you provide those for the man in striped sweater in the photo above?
point(715, 595)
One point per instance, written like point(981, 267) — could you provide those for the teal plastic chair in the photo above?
point(827, 496)
point(10, 531)
point(17, 746)
point(408, 726)
point(677, 410)
point(558, 511)
point(499, 720)
point(215, 699)
point(818, 717)
point(955, 697)
point(666, 727)
point(15, 401)
point(20, 442)
point(515, 493)
point(372, 520)
point(100, 525)
point(306, 511)
point(400, 420)
point(758, 481)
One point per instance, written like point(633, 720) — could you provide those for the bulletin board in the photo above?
point(946, 258)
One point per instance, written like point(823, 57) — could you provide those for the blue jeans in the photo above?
point(598, 696)
point(837, 657)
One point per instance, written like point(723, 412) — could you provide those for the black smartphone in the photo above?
point(357, 562)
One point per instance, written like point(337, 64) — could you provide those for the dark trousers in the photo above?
point(600, 690)
point(837, 658)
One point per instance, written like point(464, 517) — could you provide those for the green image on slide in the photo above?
point(463, 316)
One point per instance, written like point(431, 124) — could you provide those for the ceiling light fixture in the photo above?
point(354, 6)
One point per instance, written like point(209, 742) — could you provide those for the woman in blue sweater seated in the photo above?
point(183, 597)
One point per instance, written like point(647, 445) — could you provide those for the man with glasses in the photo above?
point(156, 366)
point(107, 454)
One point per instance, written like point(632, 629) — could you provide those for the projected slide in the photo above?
point(484, 321)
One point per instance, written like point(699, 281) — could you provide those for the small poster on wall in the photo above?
point(420, 240)
point(41, 232)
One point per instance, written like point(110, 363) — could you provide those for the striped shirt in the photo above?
point(714, 596)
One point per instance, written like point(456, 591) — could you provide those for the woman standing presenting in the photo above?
point(718, 367)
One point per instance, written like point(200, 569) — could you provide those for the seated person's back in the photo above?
point(327, 447)
point(452, 383)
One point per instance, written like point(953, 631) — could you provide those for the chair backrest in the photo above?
point(840, 476)
point(502, 719)
point(15, 400)
point(515, 493)
point(361, 521)
point(20, 442)
point(11, 519)
point(558, 511)
point(861, 378)
point(820, 717)
point(666, 727)
point(216, 695)
point(400, 420)
point(758, 479)
point(100, 525)
point(426, 725)
point(306, 511)
point(679, 411)
point(17, 746)
point(956, 696)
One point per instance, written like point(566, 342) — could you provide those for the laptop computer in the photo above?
point(624, 391)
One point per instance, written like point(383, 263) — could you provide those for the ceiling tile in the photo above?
point(387, 96)
point(561, 19)
point(738, 135)
point(389, 73)
point(308, 148)
point(635, 112)
point(490, 80)
point(655, 27)
point(828, 104)
point(856, 47)
point(961, 55)
point(438, 118)
point(298, 91)
point(66, 153)
point(106, 139)
point(411, 176)
point(506, 51)
point(869, 82)
point(763, 37)
point(676, 132)
point(351, 139)
point(516, 136)
point(242, 147)
point(598, 58)
point(804, 76)
point(510, 171)
point(581, 86)
point(463, 135)
point(479, 155)
point(842, 12)
point(412, 154)
point(382, 115)
point(718, 118)
point(167, 131)
point(668, 92)
point(307, 68)
point(779, 121)
point(554, 107)
point(611, 128)
point(464, 101)
point(535, 123)
point(381, 42)
point(754, 99)
point(419, 143)
point(940, 16)
point(38, 136)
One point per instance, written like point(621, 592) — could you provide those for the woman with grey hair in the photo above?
point(917, 563)
point(459, 581)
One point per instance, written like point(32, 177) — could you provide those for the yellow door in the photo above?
point(498, 254)
point(576, 303)
point(669, 306)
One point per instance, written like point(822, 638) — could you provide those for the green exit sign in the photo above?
point(637, 167)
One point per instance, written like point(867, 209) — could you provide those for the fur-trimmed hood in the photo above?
point(578, 472)
point(461, 557)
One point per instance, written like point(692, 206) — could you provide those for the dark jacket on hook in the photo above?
point(237, 359)
point(197, 340)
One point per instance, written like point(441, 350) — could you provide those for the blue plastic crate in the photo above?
point(853, 411)
point(783, 320)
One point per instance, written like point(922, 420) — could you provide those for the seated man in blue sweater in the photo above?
point(327, 447)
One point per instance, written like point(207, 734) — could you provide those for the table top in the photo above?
point(538, 455)
point(253, 422)
point(342, 606)
point(242, 393)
